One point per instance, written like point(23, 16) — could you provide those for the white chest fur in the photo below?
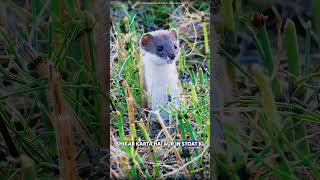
point(160, 79)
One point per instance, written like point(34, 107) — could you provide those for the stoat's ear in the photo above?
point(145, 39)
point(174, 34)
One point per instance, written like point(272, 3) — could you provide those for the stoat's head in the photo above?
point(161, 47)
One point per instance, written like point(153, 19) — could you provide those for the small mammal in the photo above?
point(159, 53)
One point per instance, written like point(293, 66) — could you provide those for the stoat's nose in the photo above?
point(172, 56)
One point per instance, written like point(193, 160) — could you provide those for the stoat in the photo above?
point(159, 52)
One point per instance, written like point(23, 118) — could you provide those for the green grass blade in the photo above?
point(227, 11)
point(307, 50)
point(294, 68)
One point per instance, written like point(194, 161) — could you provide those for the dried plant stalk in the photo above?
point(102, 51)
point(61, 121)
point(130, 103)
point(132, 125)
point(143, 86)
point(60, 116)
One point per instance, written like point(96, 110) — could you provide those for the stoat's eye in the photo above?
point(159, 48)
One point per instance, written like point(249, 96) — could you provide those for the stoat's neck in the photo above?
point(158, 77)
point(153, 69)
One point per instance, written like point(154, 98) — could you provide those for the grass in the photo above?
point(193, 114)
point(277, 111)
point(52, 104)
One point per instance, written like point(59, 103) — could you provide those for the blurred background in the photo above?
point(265, 89)
point(53, 89)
